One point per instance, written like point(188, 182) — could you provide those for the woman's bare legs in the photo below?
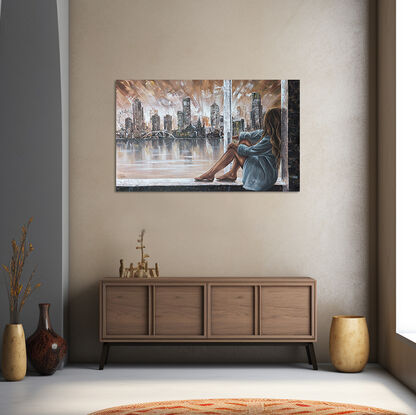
point(225, 160)
point(229, 156)
point(230, 176)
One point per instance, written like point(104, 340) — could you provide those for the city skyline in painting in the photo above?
point(172, 106)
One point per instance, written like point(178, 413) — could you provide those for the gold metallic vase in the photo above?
point(13, 357)
point(349, 343)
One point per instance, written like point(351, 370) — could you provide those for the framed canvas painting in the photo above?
point(207, 135)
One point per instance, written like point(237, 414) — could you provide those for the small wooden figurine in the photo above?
point(121, 269)
point(131, 270)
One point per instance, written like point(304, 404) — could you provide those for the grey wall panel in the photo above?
point(31, 147)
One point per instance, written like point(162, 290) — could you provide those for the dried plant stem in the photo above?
point(16, 294)
point(28, 289)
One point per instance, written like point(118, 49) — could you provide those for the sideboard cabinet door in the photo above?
point(286, 311)
point(179, 310)
point(232, 311)
point(126, 311)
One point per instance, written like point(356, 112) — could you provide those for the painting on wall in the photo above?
point(207, 135)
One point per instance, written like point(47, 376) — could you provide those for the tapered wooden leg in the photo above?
point(107, 353)
point(311, 349)
point(309, 354)
point(104, 355)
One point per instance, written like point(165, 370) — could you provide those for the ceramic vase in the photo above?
point(45, 349)
point(349, 343)
point(13, 357)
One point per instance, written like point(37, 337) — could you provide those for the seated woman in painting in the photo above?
point(257, 153)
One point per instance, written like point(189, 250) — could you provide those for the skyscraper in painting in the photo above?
point(215, 116)
point(138, 119)
point(256, 111)
point(155, 122)
point(167, 123)
point(128, 127)
point(180, 120)
point(186, 104)
point(238, 126)
point(200, 129)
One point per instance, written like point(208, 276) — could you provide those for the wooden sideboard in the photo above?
point(208, 310)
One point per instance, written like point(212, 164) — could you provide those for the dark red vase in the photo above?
point(45, 349)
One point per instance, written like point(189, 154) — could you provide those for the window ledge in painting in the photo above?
point(182, 184)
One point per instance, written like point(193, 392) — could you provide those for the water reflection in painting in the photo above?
point(166, 157)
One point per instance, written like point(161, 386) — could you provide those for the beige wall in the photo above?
point(322, 231)
point(395, 353)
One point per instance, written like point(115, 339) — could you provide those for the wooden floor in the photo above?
point(83, 389)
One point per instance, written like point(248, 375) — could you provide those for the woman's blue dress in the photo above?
point(260, 167)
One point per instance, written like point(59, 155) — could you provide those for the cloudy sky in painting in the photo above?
point(242, 90)
point(165, 97)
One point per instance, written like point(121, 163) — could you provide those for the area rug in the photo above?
point(243, 406)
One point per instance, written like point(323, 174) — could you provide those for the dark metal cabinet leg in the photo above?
point(308, 353)
point(311, 354)
point(107, 353)
point(104, 355)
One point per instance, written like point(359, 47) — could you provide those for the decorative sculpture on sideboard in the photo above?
point(142, 270)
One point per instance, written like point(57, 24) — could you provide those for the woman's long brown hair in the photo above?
point(271, 128)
